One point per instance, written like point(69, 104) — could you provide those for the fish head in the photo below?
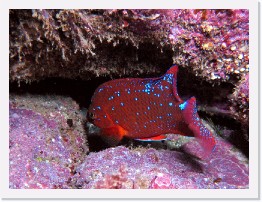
point(98, 116)
point(108, 130)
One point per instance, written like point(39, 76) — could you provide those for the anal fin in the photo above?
point(155, 138)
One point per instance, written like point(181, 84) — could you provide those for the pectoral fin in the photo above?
point(113, 135)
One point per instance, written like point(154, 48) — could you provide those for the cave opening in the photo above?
point(187, 84)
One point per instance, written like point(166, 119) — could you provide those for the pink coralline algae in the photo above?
point(149, 168)
point(213, 42)
point(161, 181)
point(116, 181)
point(241, 94)
point(33, 164)
point(46, 141)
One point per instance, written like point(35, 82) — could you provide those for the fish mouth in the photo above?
point(92, 129)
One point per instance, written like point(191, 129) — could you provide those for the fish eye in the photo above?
point(91, 116)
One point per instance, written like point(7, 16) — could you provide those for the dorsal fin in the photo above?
point(172, 70)
point(171, 77)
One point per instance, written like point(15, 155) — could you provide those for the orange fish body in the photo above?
point(146, 108)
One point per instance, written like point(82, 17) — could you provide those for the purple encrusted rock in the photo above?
point(40, 158)
point(213, 42)
point(149, 168)
point(47, 141)
point(37, 154)
point(161, 181)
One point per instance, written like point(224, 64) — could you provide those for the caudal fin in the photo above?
point(202, 133)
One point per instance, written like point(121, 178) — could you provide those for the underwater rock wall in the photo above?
point(85, 43)
point(212, 45)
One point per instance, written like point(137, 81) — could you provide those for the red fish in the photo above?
point(146, 108)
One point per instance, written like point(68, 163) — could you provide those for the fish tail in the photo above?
point(202, 133)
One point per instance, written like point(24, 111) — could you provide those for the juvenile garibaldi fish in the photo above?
point(146, 108)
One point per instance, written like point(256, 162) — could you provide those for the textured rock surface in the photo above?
point(85, 43)
point(121, 167)
point(38, 157)
point(210, 45)
point(213, 42)
point(45, 146)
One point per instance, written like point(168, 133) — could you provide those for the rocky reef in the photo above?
point(57, 59)
point(46, 141)
point(48, 149)
point(148, 168)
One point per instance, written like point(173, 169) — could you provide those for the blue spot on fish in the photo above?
point(183, 105)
